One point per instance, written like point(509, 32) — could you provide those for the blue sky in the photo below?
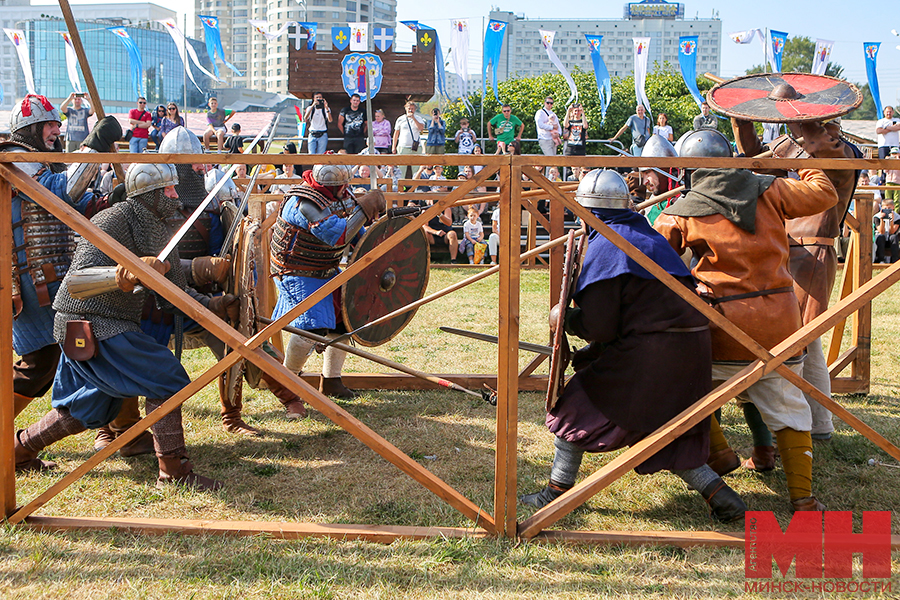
point(848, 24)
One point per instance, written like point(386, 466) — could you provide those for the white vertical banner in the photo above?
point(459, 50)
point(183, 47)
point(743, 37)
point(71, 62)
point(547, 38)
point(17, 37)
point(359, 37)
point(641, 54)
point(822, 56)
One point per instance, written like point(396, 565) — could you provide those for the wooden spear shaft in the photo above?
point(96, 104)
point(385, 362)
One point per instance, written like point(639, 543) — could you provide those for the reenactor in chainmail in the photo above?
point(43, 245)
point(105, 354)
point(316, 222)
point(205, 273)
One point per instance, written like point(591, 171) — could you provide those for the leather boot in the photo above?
point(104, 438)
point(544, 497)
point(20, 402)
point(291, 401)
point(129, 414)
point(231, 409)
point(334, 387)
point(27, 460)
point(725, 505)
point(762, 459)
point(178, 469)
point(810, 503)
point(723, 461)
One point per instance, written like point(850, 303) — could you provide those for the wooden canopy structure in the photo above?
point(500, 519)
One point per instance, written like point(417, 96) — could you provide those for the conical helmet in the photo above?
point(603, 189)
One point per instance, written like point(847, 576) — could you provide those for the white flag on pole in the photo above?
point(822, 56)
point(262, 26)
point(71, 62)
point(17, 37)
point(547, 38)
point(743, 37)
point(459, 45)
point(359, 37)
point(641, 53)
point(183, 47)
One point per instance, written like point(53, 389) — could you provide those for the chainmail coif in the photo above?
point(136, 227)
point(191, 187)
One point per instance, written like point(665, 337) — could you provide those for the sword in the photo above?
point(527, 346)
point(93, 281)
point(226, 244)
point(624, 153)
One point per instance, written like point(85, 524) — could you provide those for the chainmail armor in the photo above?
point(192, 191)
point(134, 225)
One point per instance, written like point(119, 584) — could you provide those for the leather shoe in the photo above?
point(542, 498)
point(723, 461)
point(762, 459)
point(725, 505)
point(810, 503)
point(334, 387)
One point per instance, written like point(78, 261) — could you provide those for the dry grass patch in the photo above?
point(311, 470)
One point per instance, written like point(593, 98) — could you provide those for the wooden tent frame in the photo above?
point(502, 521)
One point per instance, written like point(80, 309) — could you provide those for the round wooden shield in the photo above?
point(784, 97)
point(393, 281)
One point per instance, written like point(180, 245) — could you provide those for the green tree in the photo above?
point(798, 58)
point(665, 90)
point(866, 110)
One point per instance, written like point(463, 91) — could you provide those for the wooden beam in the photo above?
point(846, 385)
point(531, 367)
point(286, 530)
point(835, 368)
point(861, 325)
point(851, 263)
point(7, 399)
point(507, 354)
point(244, 348)
point(680, 539)
point(678, 425)
point(96, 103)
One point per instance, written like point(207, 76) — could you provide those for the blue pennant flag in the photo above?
point(384, 38)
point(493, 43)
point(340, 37)
point(311, 32)
point(687, 60)
point(871, 51)
point(134, 59)
point(214, 43)
point(601, 74)
point(779, 39)
point(414, 25)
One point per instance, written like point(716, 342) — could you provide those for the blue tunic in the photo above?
point(93, 389)
point(292, 289)
point(33, 328)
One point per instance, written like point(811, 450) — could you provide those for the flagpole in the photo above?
point(184, 54)
point(483, 82)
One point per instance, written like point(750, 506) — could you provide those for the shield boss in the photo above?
point(393, 281)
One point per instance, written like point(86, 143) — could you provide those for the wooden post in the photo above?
point(7, 420)
point(96, 104)
point(507, 354)
point(557, 255)
point(862, 319)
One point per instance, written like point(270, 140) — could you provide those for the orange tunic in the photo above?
point(734, 261)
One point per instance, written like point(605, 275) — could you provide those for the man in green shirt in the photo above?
point(504, 126)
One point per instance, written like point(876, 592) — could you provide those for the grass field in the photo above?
point(312, 471)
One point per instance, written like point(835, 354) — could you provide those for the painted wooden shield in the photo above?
point(559, 360)
point(391, 282)
point(784, 97)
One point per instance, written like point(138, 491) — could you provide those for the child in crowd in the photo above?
point(473, 233)
point(465, 137)
point(235, 142)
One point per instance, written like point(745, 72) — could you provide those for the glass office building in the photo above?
point(163, 72)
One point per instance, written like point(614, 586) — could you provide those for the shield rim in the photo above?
point(408, 316)
point(730, 113)
point(571, 265)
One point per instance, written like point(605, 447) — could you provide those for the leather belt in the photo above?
point(715, 301)
point(811, 241)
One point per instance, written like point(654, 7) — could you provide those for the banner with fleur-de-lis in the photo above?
point(340, 37)
point(425, 38)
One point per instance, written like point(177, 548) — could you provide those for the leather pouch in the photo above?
point(80, 343)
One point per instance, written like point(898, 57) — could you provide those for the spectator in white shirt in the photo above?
point(548, 129)
point(662, 127)
point(888, 130)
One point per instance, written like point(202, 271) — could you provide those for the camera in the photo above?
point(435, 112)
point(79, 95)
point(320, 104)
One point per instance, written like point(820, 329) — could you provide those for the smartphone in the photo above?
point(81, 95)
